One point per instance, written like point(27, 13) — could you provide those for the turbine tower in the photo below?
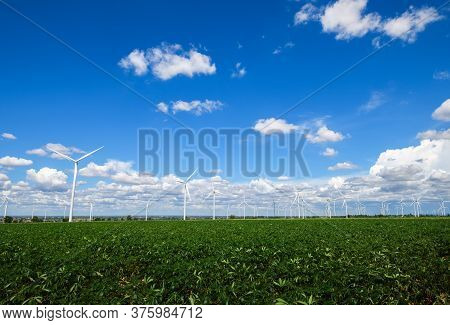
point(75, 174)
point(244, 204)
point(213, 193)
point(90, 211)
point(5, 202)
point(402, 207)
point(186, 191)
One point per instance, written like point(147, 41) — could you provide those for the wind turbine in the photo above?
point(402, 205)
point(328, 208)
point(90, 211)
point(186, 192)
point(75, 174)
point(416, 204)
point(228, 211)
point(442, 208)
point(298, 199)
point(244, 204)
point(5, 202)
point(213, 193)
point(344, 205)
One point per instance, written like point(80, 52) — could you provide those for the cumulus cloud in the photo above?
point(348, 19)
point(422, 159)
point(336, 182)
point(239, 71)
point(273, 125)
point(135, 61)
point(119, 171)
point(434, 135)
point(38, 152)
point(262, 185)
point(8, 136)
point(307, 13)
point(168, 61)
point(342, 166)
point(410, 23)
point(68, 151)
point(442, 113)
point(9, 161)
point(5, 183)
point(280, 49)
point(329, 152)
point(197, 107)
point(48, 179)
point(324, 134)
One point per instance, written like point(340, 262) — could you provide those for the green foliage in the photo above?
point(7, 219)
point(346, 261)
point(36, 219)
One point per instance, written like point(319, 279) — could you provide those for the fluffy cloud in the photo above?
point(348, 19)
point(48, 179)
point(430, 155)
point(410, 23)
point(119, 171)
point(441, 75)
point(336, 182)
point(273, 125)
point(324, 134)
point(196, 107)
point(307, 13)
point(329, 152)
point(442, 113)
point(280, 49)
point(8, 161)
point(168, 61)
point(8, 136)
point(262, 185)
point(38, 152)
point(5, 183)
point(342, 166)
point(434, 135)
point(239, 71)
point(135, 61)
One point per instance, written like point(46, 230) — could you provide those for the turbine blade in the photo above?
point(208, 195)
point(89, 154)
point(189, 178)
point(62, 155)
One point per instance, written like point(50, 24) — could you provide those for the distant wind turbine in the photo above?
point(5, 203)
point(186, 191)
point(244, 204)
point(75, 174)
point(90, 211)
point(213, 194)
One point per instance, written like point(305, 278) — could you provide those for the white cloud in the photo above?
point(262, 185)
point(279, 49)
point(377, 98)
point(329, 152)
point(197, 107)
point(410, 23)
point(168, 61)
point(336, 182)
point(283, 178)
point(442, 113)
point(428, 156)
point(441, 75)
point(307, 13)
point(68, 151)
point(239, 71)
point(324, 134)
point(342, 166)
point(346, 19)
point(119, 171)
point(14, 162)
point(434, 135)
point(163, 107)
point(135, 61)
point(48, 179)
point(38, 152)
point(9, 136)
point(273, 125)
point(5, 183)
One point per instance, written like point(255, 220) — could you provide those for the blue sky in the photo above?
point(52, 95)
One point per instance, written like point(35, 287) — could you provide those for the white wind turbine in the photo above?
point(442, 208)
point(328, 208)
point(90, 210)
point(213, 194)
point(402, 207)
point(228, 211)
point(416, 205)
point(244, 204)
point(5, 203)
point(300, 202)
point(186, 191)
point(75, 174)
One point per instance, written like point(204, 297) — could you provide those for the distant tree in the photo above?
point(232, 216)
point(65, 219)
point(7, 219)
point(36, 219)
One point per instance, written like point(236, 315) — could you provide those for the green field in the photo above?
point(346, 261)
